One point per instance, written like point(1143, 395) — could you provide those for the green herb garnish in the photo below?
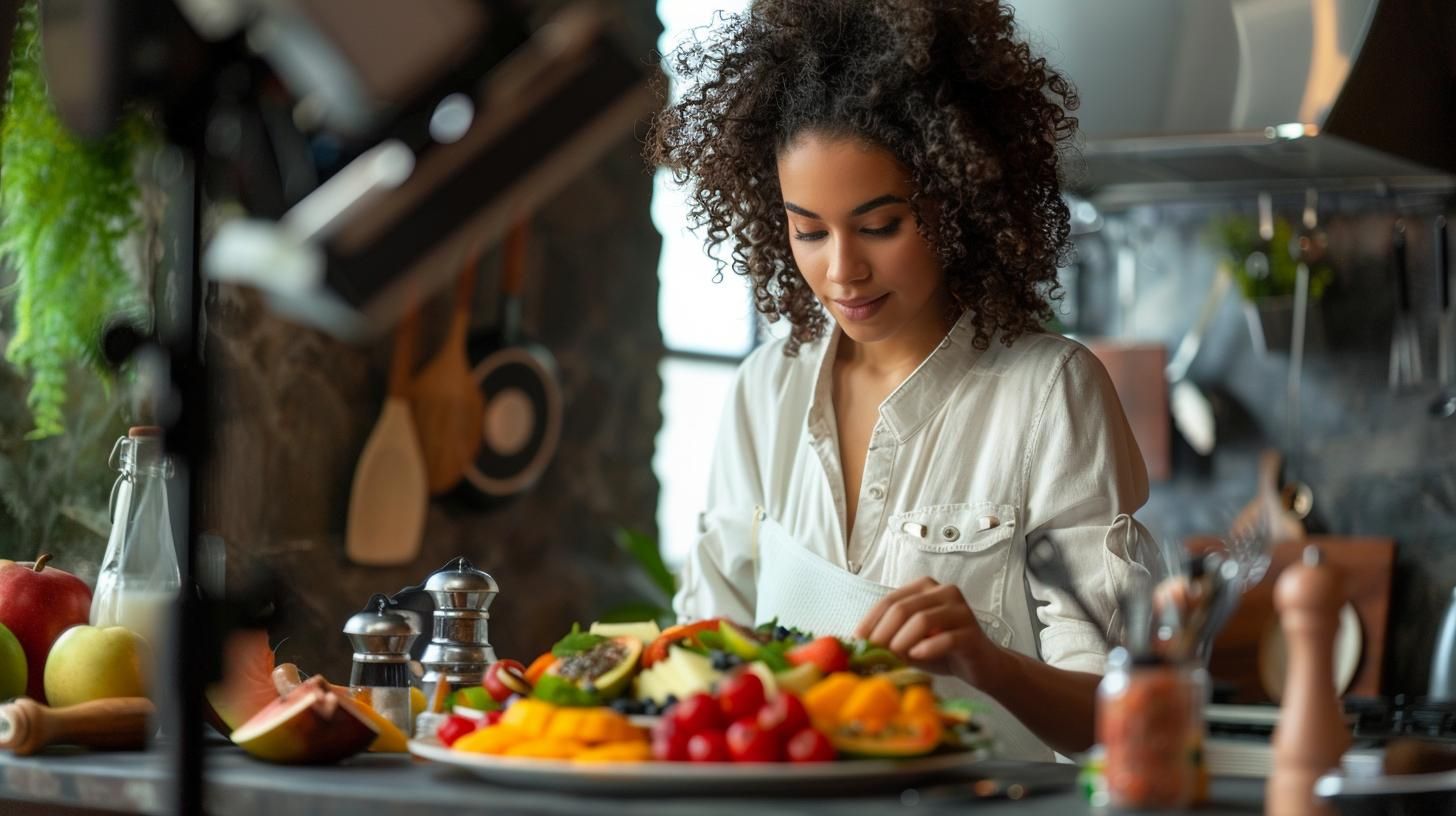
point(576, 642)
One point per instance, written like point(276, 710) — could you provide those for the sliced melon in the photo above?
point(247, 686)
point(799, 679)
point(682, 674)
point(645, 631)
point(313, 725)
point(391, 740)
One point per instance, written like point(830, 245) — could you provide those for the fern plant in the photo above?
point(66, 209)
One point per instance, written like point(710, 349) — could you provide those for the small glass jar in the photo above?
point(1150, 731)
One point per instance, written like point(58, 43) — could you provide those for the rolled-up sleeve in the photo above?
point(719, 577)
point(1084, 478)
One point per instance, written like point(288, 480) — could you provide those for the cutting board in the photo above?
point(1365, 564)
point(1136, 370)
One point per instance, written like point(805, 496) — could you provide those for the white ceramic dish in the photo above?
point(693, 779)
point(1346, 655)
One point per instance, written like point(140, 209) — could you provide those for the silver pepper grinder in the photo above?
point(382, 639)
point(459, 649)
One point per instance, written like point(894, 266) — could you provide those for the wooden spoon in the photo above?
point(448, 407)
point(388, 499)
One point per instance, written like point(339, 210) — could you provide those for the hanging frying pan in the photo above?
point(517, 379)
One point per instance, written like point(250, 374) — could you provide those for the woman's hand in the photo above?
point(931, 625)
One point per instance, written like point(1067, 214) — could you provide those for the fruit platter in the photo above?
point(699, 708)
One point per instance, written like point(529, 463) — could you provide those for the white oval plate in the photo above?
point(697, 779)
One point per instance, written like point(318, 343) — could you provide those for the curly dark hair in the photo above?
point(946, 86)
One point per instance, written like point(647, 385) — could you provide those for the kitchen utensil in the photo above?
point(1192, 413)
point(1263, 523)
point(1308, 247)
point(388, 498)
point(1310, 736)
point(459, 649)
point(1045, 564)
point(1405, 341)
point(1224, 591)
point(120, 723)
point(447, 406)
point(523, 402)
point(1442, 684)
point(1366, 563)
point(1404, 795)
point(381, 638)
point(1444, 405)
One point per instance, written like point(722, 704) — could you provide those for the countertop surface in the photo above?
point(382, 785)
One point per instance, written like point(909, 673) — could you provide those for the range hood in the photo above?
point(1198, 93)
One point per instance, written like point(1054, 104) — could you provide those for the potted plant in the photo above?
point(1266, 272)
point(70, 213)
point(77, 247)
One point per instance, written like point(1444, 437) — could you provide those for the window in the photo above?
point(707, 327)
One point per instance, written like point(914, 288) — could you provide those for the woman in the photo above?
point(885, 175)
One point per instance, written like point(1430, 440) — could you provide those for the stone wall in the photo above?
point(294, 409)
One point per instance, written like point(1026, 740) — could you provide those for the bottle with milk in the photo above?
point(139, 577)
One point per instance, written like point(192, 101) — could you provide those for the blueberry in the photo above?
point(622, 705)
point(781, 633)
point(671, 701)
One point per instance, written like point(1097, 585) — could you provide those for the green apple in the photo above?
point(12, 665)
point(92, 663)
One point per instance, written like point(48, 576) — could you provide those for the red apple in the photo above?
point(37, 604)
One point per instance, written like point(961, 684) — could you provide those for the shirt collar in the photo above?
point(919, 396)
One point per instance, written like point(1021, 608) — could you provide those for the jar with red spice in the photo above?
point(1150, 730)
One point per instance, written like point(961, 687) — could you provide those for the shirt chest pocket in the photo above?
point(969, 545)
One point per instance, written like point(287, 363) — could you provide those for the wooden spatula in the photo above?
point(388, 499)
point(118, 723)
point(448, 408)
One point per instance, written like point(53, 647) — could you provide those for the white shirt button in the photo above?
point(950, 533)
point(877, 492)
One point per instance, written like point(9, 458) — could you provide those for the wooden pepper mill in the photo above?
point(1311, 735)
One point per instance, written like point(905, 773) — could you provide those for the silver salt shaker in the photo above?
point(381, 674)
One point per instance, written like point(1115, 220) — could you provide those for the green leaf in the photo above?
point(575, 642)
point(772, 654)
point(563, 692)
point(648, 555)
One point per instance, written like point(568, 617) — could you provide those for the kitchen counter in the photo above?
point(384, 785)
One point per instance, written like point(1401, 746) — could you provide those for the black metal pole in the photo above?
point(187, 443)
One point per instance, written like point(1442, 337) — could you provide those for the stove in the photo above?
point(1381, 718)
point(1238, 735)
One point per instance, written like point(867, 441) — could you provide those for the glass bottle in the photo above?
point(139, 577)
point(1150, 731)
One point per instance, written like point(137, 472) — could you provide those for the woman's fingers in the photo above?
point(898, 614)
point(872, 618)
point(930, 622)
point(935, 647)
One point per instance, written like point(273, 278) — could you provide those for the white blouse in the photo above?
point(974, 454)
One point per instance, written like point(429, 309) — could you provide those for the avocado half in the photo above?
point(604, 670)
